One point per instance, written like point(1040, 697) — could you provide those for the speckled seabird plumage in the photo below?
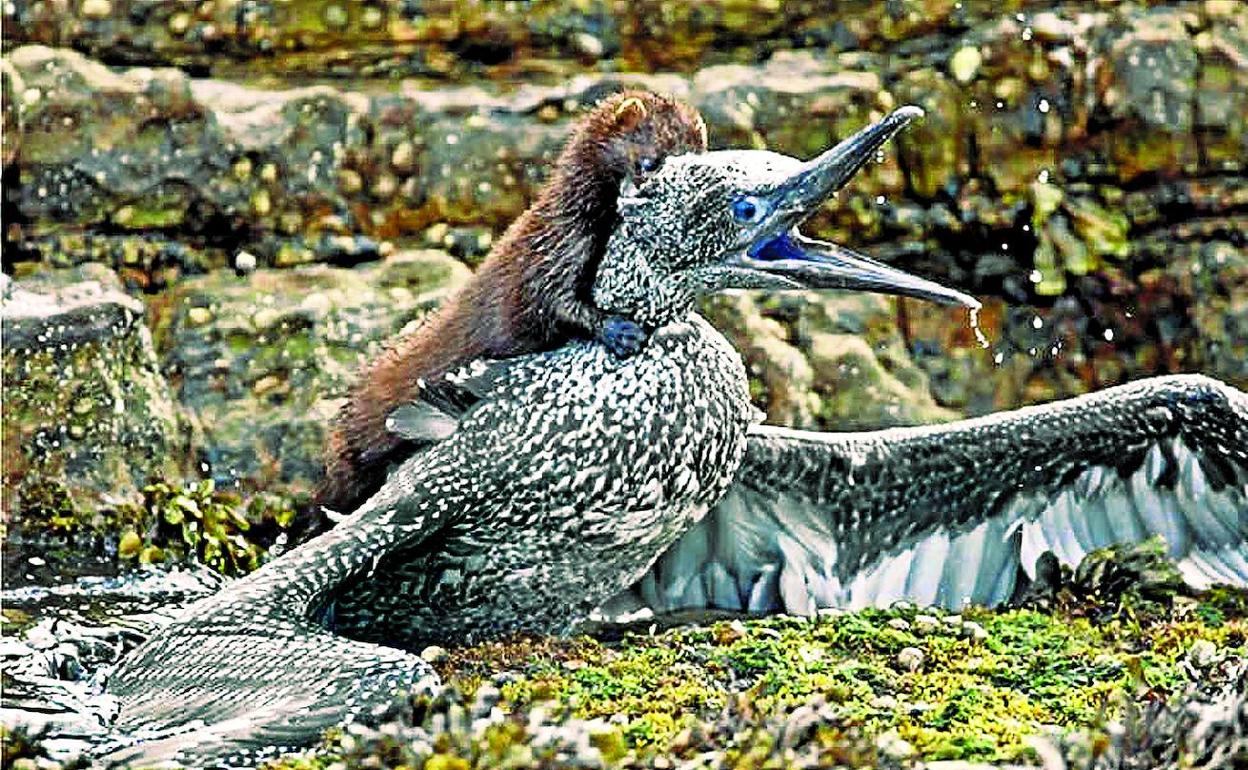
point(566, 477)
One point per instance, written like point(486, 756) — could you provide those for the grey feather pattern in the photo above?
point(951, 512)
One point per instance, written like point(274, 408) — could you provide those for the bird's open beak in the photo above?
point(780, 251)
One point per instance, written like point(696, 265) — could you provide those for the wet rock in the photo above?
point(974, 631)
point(87, 410)
point(131, 149)
point(1155, 69)
point(926, 624)
point(12, 90)
point(818, 361)
point(260, 362)
point(910, 658)
point(1202, 653)
point(1055, 173)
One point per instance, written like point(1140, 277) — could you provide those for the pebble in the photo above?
point(350, 181)
point(1202, 653)
point(372, 17)
point(974, 630)
point(384, 186)
point(403, 159)
point(884, 702)
point(244, 262)
point(899, 624)
point(588, 45)
point(965, 63)
point(179, 23)
point(433, 655)
point(910, 658)
point(925, 624)
point(893, 746)
point(96, 9)
point(335, 16)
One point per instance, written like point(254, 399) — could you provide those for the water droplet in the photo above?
point(1043, 106)
point(1035, 276)
point(879, 199)
point(980, 337)
point(1036, 323)
point(1109, 335)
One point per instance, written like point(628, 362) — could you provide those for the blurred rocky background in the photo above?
point(213, 209)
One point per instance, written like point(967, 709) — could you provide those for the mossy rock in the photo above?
point(88, 415)
point(260, 362)
point(818, 362)
point(839, 690)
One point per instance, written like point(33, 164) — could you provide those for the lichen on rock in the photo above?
point(87, 408)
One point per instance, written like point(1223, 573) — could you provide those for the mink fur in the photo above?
point(532, 292)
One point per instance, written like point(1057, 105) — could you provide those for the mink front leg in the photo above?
point(622, 336)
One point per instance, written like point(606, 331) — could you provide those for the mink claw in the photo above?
point(623, 337)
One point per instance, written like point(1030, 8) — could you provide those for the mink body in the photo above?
point(532, 293)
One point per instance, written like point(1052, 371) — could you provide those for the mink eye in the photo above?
point(647, 163)
point(748, 209)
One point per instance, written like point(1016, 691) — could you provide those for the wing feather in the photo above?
point(950, 513)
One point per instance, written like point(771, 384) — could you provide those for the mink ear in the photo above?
point(630, 113)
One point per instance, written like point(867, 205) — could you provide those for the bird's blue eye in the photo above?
point(748, 209)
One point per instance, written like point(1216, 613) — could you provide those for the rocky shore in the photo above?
point(214, 209)
point(228, 204)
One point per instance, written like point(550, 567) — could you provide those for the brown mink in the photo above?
point(532, 292)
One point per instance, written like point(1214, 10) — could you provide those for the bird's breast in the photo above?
point(571, 478)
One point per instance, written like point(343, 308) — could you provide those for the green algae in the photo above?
point(975, 696)
point(173, 522)
point(794, 692)
point(197, 521)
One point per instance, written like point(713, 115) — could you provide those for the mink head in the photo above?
point(630, 134)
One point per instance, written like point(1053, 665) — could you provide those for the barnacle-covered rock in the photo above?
point(88, 415)
point(827, 363)
point(853, 689)
point(260, 361)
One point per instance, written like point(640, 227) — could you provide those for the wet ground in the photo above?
point(61, 641)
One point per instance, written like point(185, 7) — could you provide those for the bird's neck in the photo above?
point(628, 285)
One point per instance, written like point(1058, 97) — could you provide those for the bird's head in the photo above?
point(728, 219)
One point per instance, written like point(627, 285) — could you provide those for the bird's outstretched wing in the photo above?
point(949, 514)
